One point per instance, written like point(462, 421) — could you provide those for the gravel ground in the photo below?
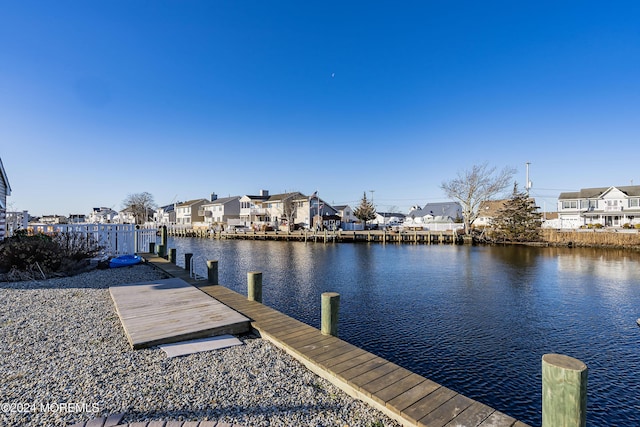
point(64, 358)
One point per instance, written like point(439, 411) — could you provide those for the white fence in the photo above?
point(115, 239)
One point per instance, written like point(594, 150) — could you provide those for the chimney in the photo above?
point(264, 193)
point(214, 197)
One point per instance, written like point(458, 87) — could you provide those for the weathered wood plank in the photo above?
point(446, 412)
point(429, 403)
point(171, 310)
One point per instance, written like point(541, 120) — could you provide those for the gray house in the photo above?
point(5, 190)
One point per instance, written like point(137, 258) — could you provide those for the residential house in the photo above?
point(221, 211)
point(252, 212)
point(16, 221)
point(606, 206)
point(102, 216)
point(77, 218)
point(285, 209)
point(165, 215)
point(385, 219)
point(190, 212)
point(487, 211)
point(126, 216)
point(440, 215)
point(346, 214)
point(5, 190)
point(54, 219)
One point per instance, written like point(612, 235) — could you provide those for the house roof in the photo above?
point(450, 209)
point(591, 193)
point(390, 214)
point(490, 208)
point(191, 202)
point(222, 201)
point(283, 196)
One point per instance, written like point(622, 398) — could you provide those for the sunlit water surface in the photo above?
point(474, 319)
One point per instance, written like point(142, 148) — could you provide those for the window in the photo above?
point(634, 203)
point(570, 204)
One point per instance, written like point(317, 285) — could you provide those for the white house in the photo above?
point(435, 216)
point(346, 213)
point(102, 215)
point(5, 190)
point(387, 219)
point(606, 206)
point(252, 212)
point(165, 215)
point(487, 211)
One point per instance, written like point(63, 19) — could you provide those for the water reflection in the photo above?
point(475, 319)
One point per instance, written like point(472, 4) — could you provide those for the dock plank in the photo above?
point(170, 310)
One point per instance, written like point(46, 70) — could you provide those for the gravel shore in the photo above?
point(64, 358)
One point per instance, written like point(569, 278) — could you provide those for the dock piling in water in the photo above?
point(254, 286)
point(187, 261)
point(330, 308)
point(564, 391)
point(212, 272)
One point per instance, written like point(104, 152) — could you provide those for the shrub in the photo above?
point(637, 226)
point(43, 255)
point(626, 226)
point(597, 225)
point(22, 252)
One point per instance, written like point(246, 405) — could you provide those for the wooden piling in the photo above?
point(163, 236)
point(172, 255)
point(162, 251)
point(152, 247)
point(212, 272)
point(254, 286)
point(564, 391)
point(329, 312)
point(187, 261)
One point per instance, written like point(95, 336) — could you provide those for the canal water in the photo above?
point(474, 319)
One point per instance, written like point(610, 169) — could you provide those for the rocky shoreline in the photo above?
point(64, 358)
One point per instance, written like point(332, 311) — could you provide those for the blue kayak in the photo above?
point(125, 261)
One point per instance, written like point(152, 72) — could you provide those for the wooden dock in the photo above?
point(367, 236)
point(172, 310)
point(407, 397)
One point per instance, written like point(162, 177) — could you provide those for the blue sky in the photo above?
point(99, 100)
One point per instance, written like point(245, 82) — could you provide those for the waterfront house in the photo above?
point(346, 214)
point(600, 207)
point(251, 210)
point(54, 219)
point(189, 213)
point(435, 216)
point(102, 216)
point(77, 218)
point(221, 211)
point(165, 215)
point(5, 190)
point(384, 219)
point(487, 211)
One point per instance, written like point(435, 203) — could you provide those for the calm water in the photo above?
point(474, 319)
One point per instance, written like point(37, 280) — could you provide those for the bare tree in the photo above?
point(476, 185)
point(141, 206)
point(289, 208)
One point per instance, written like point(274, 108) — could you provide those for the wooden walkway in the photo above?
point(407, 397)
point(171, 310)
